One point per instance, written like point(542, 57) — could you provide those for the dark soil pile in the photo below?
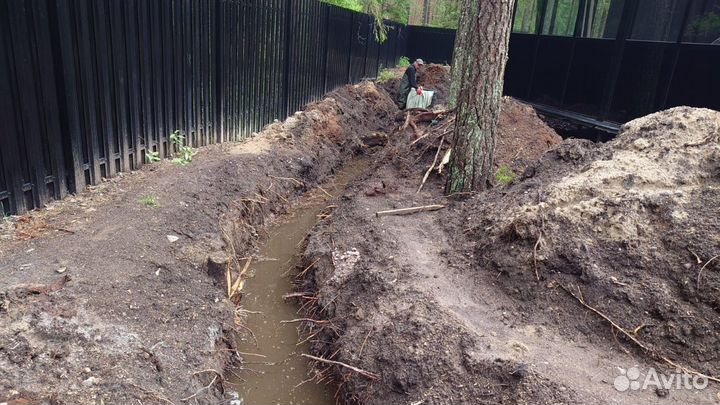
point(436, 78)
point(631, 225)
point(445, 306)
point(385, 284)
point(114, 297)
point(523, 137)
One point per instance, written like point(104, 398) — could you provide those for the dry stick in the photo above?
point(411, 210)
point(303, 294)
point(294, 180)
point(418, 140)
point(632, 338)
point(324, 191)
point(703, 268)
point(319, 322)
point(432, 166)
point(240, 282)
point(360, 371)
point(364, 342)
point(302, 273)
point(407, 122)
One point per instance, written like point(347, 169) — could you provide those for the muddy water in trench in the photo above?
point(277, 377)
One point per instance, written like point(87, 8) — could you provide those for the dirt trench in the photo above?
point(472, 303)
point(119, 295)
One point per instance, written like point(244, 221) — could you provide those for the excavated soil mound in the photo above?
point(118, 295)
point(631, 226)
point(522, 136)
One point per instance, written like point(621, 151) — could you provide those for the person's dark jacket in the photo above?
point(408, 82)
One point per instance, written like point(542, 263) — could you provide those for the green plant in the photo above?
point(504, 175)
point(151, 156)
point(385, 75)
point(182, 152)
point(149, 201)
point(404, 62)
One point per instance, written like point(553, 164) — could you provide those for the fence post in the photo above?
point(328, 9)
point(286, 59)
point(352, 23)
point(367, 48)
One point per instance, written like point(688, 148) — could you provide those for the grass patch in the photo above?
point(385, 75)
point(149, 201)
point(504, 175)
point(404, 62)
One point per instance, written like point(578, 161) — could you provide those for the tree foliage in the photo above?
point(395, 10)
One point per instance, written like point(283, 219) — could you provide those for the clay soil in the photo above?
point(115, 297)
point(489, 300)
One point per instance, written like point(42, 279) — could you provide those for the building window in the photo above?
point(703, 24)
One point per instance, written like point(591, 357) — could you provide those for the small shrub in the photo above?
point(385, 75)
point(504, 175)
point(149, 201)
point(404, 62)
point(183, 153)
point(152, 157)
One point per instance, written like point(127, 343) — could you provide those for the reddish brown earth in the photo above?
point(141, 317)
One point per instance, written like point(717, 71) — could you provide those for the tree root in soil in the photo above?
point(360, 371)
point(703, 268)
point(652, 353)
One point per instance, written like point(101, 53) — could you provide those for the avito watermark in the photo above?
point(634, 379)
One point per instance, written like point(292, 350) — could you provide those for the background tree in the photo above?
point(479, 67)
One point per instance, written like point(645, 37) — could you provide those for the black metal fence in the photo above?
point(87, 87)
point(605, 62)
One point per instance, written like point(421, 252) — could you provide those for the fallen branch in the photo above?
point(36, 288)
point(360, 371)
point(411, 210)
point(432, 166)
point(633, 339)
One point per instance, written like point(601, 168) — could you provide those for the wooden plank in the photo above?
point(9, 153)
point(26, 94)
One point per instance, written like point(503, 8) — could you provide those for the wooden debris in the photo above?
point(411, 210)
point(36, 288)
point(360, 371)
point(445, 161)
point(432, 166)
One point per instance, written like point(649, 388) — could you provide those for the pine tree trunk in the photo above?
point(480, 67)
point(458, 54)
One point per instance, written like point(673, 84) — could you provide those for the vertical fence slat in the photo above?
point(89, 86)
